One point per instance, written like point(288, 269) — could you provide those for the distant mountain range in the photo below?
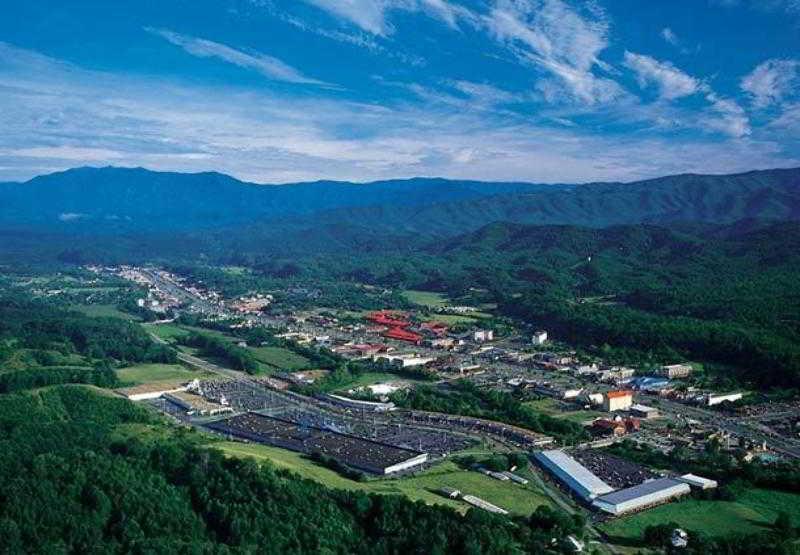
point(112, 200)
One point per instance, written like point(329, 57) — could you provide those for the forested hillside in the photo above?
point(75, 481)
point(116, 200)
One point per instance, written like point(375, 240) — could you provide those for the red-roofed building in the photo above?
point(403, 335)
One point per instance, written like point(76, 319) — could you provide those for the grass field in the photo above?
point(278, 358)
point(103, 310)
point(752, 512)
point(147, 373)
point(550, 408)
point(518, 499)
point(425, 298)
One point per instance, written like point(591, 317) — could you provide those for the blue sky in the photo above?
point(290, 90)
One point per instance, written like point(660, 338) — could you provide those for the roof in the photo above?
point(618, 394)
point(635, 492)
point(579, 473)
point(643, 408)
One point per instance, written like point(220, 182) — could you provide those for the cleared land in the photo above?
point(148, 373)
point(425, 298)
point(518, 499)
point(752, 512)
point(278, 358)
point(103, 311)
point(550, 407)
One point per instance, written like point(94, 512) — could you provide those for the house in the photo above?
point(617, 400)
point(539, 337)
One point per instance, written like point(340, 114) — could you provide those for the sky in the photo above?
point(276, 91)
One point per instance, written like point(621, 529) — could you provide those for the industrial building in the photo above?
point(642, 496)
point(697, 482)
point(573, 474)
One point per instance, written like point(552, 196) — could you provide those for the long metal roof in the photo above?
point(635, 492)
point(579, 473)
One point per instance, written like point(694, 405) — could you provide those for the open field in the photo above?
point(167, 332)
point(754, 510)
point(550, 408)
point(278, 358)
point(103, 310)
point(147, 373)
point(426, 298)
point(517, 499)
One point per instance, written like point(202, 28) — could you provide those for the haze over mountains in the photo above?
point(108, 200)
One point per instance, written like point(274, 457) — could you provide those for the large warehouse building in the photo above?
point(642, 496)
point(573, 474)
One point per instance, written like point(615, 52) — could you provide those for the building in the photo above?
point(712, 400)
point(357, 404)
point(405, 361)
point(642, 496)
point(539, 337)
point(449, 492)
point(483, 335)
point(673, 371)
point(573, 474)
point(617, 373)
point(401, 334)
point(643, 411)
point(617, 400)
point(697, 482)
point(485, 505)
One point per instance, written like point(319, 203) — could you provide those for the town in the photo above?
point(360, 431)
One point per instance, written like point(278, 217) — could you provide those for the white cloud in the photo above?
point(558, 39)
point(669, 35)
point(371, 15)
point(51, 110)
point(270, 67)
point(671, 81)
point(771, 81)
point(726, 116)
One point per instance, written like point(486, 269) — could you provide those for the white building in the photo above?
point(697, 481)
point(617, 400)
point(539, 337)
point(642, 496)
point(573, 474)
point(483, 335)
point(712, 400)
point(405, 360)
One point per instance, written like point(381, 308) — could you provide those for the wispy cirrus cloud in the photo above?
point(560, 40)
point(671, 82)
point(371, 15)
point(268, 66)
point(771, 81)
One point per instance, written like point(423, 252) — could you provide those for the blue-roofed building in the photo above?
point(573, 474)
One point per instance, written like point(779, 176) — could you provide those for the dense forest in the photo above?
point(75, 482)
